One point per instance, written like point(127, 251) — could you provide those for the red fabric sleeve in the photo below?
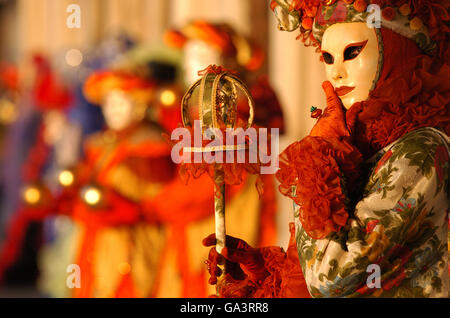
point(268, 229)
point(319, 168)
point(286, 278)
point(181, 203)
point(117, 211)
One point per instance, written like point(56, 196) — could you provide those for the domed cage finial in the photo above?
point(218, 98)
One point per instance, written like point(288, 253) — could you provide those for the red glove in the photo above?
point(244, 265)
point(332, 122)
point(333, 128)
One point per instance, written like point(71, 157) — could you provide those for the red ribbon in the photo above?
point(214, 69)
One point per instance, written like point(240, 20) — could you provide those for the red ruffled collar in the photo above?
point(411, 93)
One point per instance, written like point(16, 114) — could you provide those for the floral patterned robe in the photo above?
point(401, 225)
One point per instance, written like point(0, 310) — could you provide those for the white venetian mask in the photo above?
point(351, 55)
point(197, 56)
point(55, 122)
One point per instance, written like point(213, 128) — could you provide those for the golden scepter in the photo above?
point(217, 110)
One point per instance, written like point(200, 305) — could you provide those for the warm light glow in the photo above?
point(92, 196)
point(8, 111)
point(32, 195)
point(168, 97)
point(74, 57)
point(124, 268)
point(66, 178)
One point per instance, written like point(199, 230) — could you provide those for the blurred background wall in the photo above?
point(295, 71)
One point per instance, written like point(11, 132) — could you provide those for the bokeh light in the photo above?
point(74, 57)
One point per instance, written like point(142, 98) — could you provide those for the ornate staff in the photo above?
point(217, 109)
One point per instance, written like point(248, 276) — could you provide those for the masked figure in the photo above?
point(118, 252)
point(47, 124)
point(203, 44)
point(67, 131)
point(190, 216)
point(370, 182)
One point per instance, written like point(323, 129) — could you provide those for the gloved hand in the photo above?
point(332, 127)
point(332, 122)
point(244, 266)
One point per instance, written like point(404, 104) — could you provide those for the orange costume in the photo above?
point(118, 252)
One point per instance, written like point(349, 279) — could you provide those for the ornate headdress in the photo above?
point(424, 21)
point(100, 83)
point(222, 37)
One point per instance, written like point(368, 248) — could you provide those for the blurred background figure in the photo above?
point(205, 43)
point(118, 251)
point(59, 251)
point(188, 209)
point(46, 130)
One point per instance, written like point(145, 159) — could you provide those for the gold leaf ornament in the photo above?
point(287, 20)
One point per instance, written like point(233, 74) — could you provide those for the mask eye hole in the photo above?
point(353, 50)
point(327, 57)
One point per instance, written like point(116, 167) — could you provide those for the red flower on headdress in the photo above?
point(307, 23)
point(214, 69)
point(388, 13)
point(380, 3)
point(360, 5)
point(339, 14)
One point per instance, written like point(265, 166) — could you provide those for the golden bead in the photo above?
point(404, 9)
point(66, 178)
point(32, 195)
point(415, 24)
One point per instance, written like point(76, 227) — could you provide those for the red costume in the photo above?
point(120, 170)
